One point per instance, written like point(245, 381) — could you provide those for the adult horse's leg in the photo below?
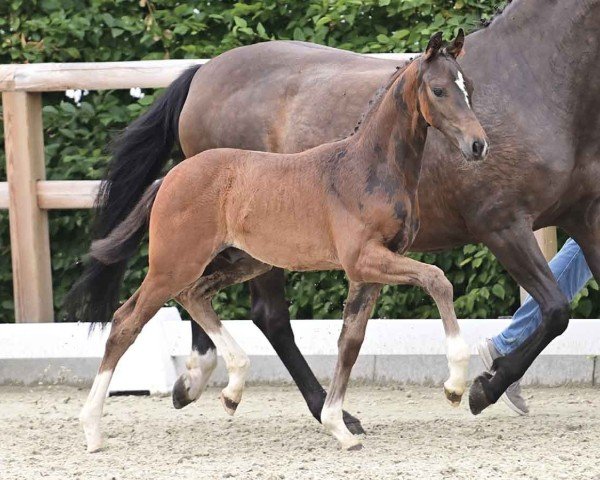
point(233, 266)
point(127, 323)
point(519, 253)
point(359, 306)
point(583, 224)
point(271, 315)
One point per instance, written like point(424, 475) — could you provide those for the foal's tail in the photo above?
point(139, 155)
point(122, 242)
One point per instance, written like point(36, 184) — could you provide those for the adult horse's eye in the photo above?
point(438, 92)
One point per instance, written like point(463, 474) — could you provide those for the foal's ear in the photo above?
point(435, 43)
point(456, 46)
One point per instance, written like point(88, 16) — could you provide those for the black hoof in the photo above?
point(353, 424)
point(180, 394)
point(229, 405)
point(478, 399)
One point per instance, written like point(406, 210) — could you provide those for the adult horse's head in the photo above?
point(445, 97)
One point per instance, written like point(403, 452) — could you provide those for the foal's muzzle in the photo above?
point(479, 148)
point(476, 149)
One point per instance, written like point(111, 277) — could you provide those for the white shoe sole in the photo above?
point(487, 360)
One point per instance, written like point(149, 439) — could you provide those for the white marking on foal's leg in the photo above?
point(91, 413)
point(200, 367)
point(458, 363)
point(237, 363)
point(460, 81)
point(332, 418)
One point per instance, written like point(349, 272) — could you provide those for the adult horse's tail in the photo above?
point(138, 157)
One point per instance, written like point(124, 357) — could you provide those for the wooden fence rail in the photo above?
point(28, 195)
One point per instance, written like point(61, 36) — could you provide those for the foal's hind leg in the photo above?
point(128, 321)
point(236, 360)
point(377, 264)
point(197, 301)
point(359, 306)
point(227, 269)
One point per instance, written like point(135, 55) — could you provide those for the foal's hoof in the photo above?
point(478, 400)
point(95, 448)
point(452, 397)
point(180, 394)
point(353, 424)
point(355, 448)
point(91, 430)
point(351, 444)
point(229, 405)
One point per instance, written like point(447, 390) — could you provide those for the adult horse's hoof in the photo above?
point(452, 397)
point(180, 394)
point(229, 405)
point(353, 424)
point(478, 400)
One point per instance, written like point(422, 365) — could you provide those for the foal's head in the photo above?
point(444, 97)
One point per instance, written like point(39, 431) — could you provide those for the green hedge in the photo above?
point(113, 30)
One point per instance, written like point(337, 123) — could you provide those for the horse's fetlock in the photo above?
point(241, 364)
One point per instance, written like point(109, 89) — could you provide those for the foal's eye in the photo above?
point(438, 92)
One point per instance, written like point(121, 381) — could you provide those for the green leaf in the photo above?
point(499, 291)
point(240, 22)
point(260, 29)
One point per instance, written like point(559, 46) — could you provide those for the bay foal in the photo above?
point(347, 205)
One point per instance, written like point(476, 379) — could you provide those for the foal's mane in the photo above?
point(376, 99)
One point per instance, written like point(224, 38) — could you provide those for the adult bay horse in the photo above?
point(536, 97)
point(350, 204)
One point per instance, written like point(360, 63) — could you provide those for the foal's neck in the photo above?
point(395, 131)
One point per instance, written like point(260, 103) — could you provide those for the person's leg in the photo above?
point(571, 272)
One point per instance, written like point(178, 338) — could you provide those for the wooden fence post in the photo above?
point(546, 238)
point(29, 237)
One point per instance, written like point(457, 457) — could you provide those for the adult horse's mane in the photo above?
point(499, 11)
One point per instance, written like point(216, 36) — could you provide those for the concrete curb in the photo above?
point(395, 351)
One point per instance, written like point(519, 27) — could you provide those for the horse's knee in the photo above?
point(436, 282)
point(556, 318)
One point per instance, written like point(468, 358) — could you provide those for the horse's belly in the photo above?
point(292, 251)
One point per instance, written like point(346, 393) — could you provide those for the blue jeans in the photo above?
point(571, 272)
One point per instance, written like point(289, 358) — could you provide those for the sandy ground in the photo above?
point(412, 433)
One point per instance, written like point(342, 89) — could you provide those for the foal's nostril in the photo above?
point(478, 147)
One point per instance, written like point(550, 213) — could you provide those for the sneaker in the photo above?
point(512, 396)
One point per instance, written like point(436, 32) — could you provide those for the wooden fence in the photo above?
point(28, 195)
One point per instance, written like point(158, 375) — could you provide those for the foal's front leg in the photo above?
point(358, 309)
point(377, 264)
